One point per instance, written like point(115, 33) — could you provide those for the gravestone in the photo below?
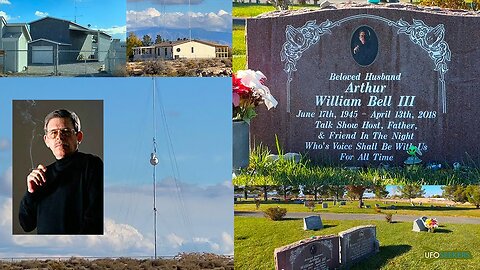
point(343, 203)
point(419, 225)
point(368, 206)
point(377, 205)
point(324, 205)
point(359, 85)
point(312, 223)
point(309, 204)
point(358, 243)
point(314, 253)
point(423, 218)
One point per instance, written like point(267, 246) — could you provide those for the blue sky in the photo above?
point(170, 18)
point(106, 15)
point(198, 114)
point(430, 190)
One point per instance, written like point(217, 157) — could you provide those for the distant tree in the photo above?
point(312, 190)
point(320, 190)
point(356, 192)
point(454, 193)
point(158, 39)
point(264, 191)
point(411, 191)
point(132, 41)
point(288, 191)
point(242, 189)
point(147, 40)
point(380, 191)
point(473, 195)
point(336, 191)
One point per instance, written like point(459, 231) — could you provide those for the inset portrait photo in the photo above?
point(364, 45)
point(58, 167)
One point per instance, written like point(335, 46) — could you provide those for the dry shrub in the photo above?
point(275, 213)
point(193, 261)
point(227, 62)
point(153, 67)
point(388, 217)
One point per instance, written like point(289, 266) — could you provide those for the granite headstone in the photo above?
point(314, 253)
point(312, 223)
point(419, 225)
point(415, 85)
point(358, 243)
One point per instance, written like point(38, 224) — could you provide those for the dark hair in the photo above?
point(63, 113)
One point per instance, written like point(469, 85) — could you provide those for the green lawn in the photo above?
point(238, 33)
point(252, 10)
point(402, 208)
point(400, 248)
point(239, 48)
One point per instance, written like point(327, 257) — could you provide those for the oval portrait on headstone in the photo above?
point(364, 45)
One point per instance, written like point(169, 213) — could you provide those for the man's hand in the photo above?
point(36, 178)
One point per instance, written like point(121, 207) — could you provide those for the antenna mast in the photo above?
point(189, 21)
point(154, 162)
point(75, 11)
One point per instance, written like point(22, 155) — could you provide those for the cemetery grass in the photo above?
point(402, 208)
point(240, 10)
point(239, 48)
point(400, 248)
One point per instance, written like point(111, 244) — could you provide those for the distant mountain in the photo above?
point(174, 34)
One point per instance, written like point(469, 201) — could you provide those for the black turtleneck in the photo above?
point(70, 202)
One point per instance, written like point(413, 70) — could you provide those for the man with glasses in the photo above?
point(65, 197)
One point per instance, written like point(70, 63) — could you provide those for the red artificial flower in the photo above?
point(239, 88)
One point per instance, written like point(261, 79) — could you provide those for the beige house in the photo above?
point(181, 49)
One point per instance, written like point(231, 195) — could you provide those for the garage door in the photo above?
point(42, 54)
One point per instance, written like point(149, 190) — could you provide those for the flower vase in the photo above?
point(241, 144)
point(432, 230)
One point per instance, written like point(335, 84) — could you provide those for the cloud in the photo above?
point(6, 213)
point(175, 240)
point(4, 2)
point(41, 14)
point(220, 21)
point(114, 30)
point(203, 244)
point(6, 182)
point(4, 144)
point(4, 15)
point(201, 221)
point(227, 243)
point(169, 2)
point(117, 239)
point(190, 218)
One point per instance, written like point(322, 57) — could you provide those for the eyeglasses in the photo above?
point(65, 132)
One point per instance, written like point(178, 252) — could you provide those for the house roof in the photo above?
point(74, 26)
point(15, 34)
point(50, 41)
point(11, 35)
